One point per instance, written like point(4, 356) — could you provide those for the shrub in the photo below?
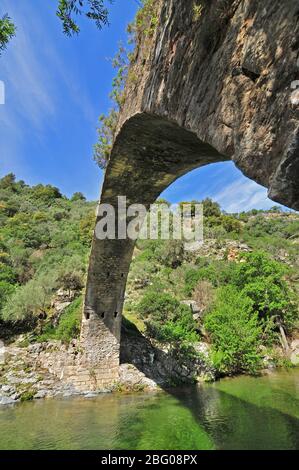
point(69, 324)
point(166, 319)
point(68, 327)
point(203, 295)
point(235, 332)
point(262, 280)
point(6, 290)
point(171, 253)
point(28, 301)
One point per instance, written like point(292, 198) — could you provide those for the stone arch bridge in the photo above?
point(202, 89)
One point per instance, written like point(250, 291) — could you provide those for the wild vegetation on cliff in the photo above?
point(44, 246)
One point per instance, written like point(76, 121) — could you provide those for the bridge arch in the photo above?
point(202, 90)
point(149, 154)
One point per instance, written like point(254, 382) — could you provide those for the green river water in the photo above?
point(238, 413)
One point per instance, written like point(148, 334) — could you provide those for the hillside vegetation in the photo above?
point(238, 292)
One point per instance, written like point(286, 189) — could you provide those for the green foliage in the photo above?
point(93, 10)
point(262, 280)
point(106, 131)
point(78, 196)
point(29, 301)
point(197, 11)
point(6, 290)
point(231, 224)
point(44, 245)
point(86, 227)
point(146, 19)
point(166, 319)
point(108, 123)
point(235, 333)
point(45, 194)
point(171, 253)
point(7, 32)
point(211, 208)
point(144, 24)
point(28, 395)
point(216, 272)
point(68, 327)
point(260, 226)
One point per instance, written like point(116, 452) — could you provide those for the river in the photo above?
point(237, 413)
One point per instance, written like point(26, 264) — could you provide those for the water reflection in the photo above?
point(241, 413)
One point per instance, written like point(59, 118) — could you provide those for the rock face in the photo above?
point(215, 84)
point(52, 369)
point(146, 364)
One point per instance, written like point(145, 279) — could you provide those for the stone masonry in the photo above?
point(207, 88)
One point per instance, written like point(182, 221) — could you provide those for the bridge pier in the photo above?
point(150, 153)
point(102, 315)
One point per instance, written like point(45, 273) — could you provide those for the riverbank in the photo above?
point(42, 370)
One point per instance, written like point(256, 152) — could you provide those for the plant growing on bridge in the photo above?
point(144, 24)
point(108, 123)
point(197, 11)
point(146, 19)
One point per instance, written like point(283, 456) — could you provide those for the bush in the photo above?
point(68, 327)
point(166, 319)
point(262, 280)
point(235, 333)
point(29, 301)
point(69, 324)
point(171, 253)
point(6, 290)
point(203, 295)
point(216, 272)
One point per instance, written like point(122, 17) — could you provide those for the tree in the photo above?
point(45, 194)
point(231, 224)
point(93, 10)
point(78, 196)
point(235, 332)
point(29, 301)
point(211, 208)
point(8, 181)
point(262, 280)
point(171, 253)
point(7, 32)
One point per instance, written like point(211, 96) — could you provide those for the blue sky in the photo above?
point(56, 88)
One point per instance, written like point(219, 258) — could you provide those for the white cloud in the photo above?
point(243, 195)
point(40, 86)
point(29, 90)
